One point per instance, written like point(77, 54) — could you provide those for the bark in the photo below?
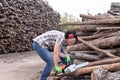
point(97, 49)
point(100, 43)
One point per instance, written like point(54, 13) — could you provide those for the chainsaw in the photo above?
point(71, 67)
point(74, 67)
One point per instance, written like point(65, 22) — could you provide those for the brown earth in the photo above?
point(20, 66)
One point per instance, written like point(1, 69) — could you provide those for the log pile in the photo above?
point(99, 43)
point(22, 20)
point(115, 9)
point(103, 74)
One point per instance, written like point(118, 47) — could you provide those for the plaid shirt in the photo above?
point(49, 38)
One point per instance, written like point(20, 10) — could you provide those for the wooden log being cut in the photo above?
point(97, 49)
point(100, 43)
point(93, 22)
point(85, 70)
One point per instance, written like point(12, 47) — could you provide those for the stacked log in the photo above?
point(103, 74)
point(22, 20)
point(99, 44)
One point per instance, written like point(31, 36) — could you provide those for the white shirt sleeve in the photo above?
point(60, 40)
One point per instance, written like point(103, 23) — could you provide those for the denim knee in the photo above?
point(50, 64)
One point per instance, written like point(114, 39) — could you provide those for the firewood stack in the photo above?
point(22, 20)
point(115, 9)
point(99, 44)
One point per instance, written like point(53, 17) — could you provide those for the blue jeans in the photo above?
point(44, 53)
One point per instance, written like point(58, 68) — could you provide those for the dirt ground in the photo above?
point(20, 66)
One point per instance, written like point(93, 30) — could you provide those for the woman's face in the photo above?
point(71, 41)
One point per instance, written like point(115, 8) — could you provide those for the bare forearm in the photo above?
point(57, 53)
point(61, 55)
point(55, 58)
